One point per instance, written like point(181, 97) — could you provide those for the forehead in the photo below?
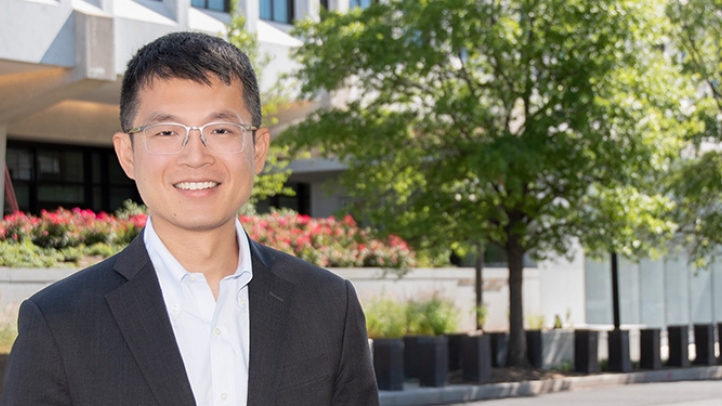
point(190, 99)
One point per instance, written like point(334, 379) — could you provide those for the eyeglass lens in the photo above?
point(220, 138)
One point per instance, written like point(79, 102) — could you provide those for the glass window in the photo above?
point(60, 194)
point(20, 163)
point(60, 165)
point(215, 5)
point(46, 176)
point(22, 193)
point(280, 11)
point(360, 3)
point(277, 10)
point(118, 195)
point(117, 175)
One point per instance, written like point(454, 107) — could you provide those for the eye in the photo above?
point(164, 131)
point(225, 129)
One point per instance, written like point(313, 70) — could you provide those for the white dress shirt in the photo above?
point(213, 336)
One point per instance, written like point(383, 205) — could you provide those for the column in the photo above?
point(3, 152)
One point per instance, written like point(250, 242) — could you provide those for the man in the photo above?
point(192, 312)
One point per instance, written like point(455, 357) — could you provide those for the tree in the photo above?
point(275, 174)
point(527, 124)
point(696, 180)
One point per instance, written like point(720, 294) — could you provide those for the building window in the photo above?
point(324, 4)
point(360, 3)
point(300, 203)
point(280, 11)
point(215, 5)
point(48, 176)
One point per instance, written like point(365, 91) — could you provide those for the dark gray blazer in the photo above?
point(102, 337)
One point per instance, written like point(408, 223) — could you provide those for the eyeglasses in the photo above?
point(170, 138)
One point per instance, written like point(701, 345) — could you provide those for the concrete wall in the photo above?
point(456, 284)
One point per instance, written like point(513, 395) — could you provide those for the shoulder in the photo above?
point(80, 288)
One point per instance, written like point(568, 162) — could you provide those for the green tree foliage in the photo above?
point(527, 124)
point(696, 179)
point(275, 174)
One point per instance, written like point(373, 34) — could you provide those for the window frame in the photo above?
point(290, 7)
point(226, 6)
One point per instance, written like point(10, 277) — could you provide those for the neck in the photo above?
point(214, 253)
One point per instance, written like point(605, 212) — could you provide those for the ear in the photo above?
point(260, 148)
point(124, 152)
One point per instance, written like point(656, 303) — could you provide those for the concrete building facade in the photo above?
point(61, 65)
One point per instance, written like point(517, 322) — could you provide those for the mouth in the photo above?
point(195, 185)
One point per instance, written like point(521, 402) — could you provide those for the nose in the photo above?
point(195, 152)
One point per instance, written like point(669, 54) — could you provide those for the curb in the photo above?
point(417, 396)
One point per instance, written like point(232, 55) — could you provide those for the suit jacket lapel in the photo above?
point(140, 312)
point(270, 299)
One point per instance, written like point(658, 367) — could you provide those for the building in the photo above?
point(61, 64)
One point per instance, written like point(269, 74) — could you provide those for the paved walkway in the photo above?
point(682, 393)
point(413, 395)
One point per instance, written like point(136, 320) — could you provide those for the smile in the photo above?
point(196, 185)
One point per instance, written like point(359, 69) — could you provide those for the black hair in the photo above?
point(193, 56)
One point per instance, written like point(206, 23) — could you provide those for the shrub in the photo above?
point(70, 234)
point(433, 316)
point(328, 242)
point(385, 318)
point(102, 250)
point(24, 254)
point(8, 328)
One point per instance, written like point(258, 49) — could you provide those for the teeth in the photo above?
point(195, 185)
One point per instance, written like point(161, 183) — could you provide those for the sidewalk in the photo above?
point(413, 395)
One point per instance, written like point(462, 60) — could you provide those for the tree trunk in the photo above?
point(517, 339)
point(479, 283)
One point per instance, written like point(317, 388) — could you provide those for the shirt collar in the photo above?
point(168, 267)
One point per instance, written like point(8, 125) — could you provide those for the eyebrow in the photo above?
point(225, 115)
point(160, 118)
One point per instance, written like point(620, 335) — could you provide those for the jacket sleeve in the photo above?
point(356, 381)
point(34, 374)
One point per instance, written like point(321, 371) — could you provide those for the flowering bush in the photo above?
point(67, 235)
point(70, 228)
point(328, 242)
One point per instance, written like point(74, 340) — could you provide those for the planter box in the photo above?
point(534, 348)
point(477, 359)
point(456, 359)
point(388, 356)
point(586, 351)
point(557, 348)
point(650, 347)
point(618, 345)
point(433, 361)
point(719, 339)
point(499, 348)
point(678, 338)
point(704, 344)
point(411, 356)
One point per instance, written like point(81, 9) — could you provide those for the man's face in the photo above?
point(195, 190)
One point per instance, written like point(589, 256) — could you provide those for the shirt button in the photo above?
point(242, 302)
point(217, 331)
point(224, 396)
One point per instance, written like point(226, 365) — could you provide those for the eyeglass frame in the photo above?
point(141, 129)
